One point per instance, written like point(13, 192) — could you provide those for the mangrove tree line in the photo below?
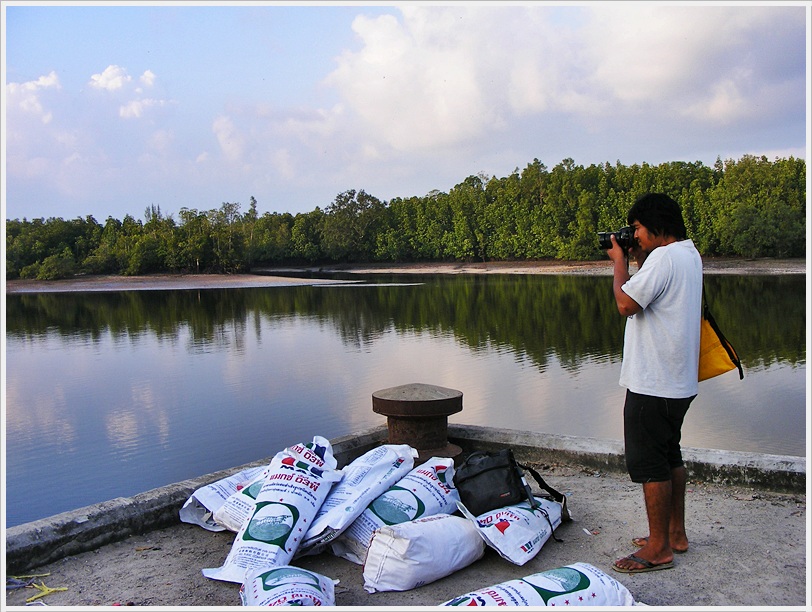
point(751, 207)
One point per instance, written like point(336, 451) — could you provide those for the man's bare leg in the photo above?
point(676, 530)
point(657, 549)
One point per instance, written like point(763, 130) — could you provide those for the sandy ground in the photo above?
point(603, 267)
point(266, 278)
point(748, 548)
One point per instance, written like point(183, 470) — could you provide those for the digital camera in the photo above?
point(624, 237)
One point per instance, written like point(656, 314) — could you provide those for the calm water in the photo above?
point(111, 394)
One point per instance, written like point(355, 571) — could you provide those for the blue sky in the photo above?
point(110, 109)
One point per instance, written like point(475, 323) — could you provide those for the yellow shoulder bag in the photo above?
point(716, 354)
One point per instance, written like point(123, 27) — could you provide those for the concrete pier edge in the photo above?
point(37, 543)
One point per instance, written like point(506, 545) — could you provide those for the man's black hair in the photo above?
point(659, 214)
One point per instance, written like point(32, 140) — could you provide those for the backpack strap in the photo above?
point(559, 497)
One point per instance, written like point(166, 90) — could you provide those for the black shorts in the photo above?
point(652, 431)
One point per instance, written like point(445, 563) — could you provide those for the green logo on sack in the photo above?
point(287, 575)
point(397, 505)
point(567, 579)
point(253, 489)
point(271, 523)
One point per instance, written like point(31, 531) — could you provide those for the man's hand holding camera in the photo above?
point(621, 246)
point(618, 253)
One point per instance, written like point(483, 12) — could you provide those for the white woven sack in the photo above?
point(298, 481)
point(286, 586)
point(411, 554)
point(428, 489)
point(364, 479)
point(578, 584)
point(201, 506)
point(239, 506)
point(517, 532)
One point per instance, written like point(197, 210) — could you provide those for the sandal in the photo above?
point(648, 566)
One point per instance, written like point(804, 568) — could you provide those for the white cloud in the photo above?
point(43, 82)
point(723, 104)
point(644, 52)
point(148, 78)
point(450, 76)
point(228, 137)
point(283, 164)
point(696, 61)
point(25, 96)
point(114, 77)
point(161, 140)
point(135, 108)
point(418, 82)
point(443, 77)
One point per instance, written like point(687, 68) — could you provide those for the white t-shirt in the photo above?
point(661, 343)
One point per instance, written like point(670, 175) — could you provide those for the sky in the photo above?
point(110, 109)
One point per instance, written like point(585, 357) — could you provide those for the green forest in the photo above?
point(750, 208)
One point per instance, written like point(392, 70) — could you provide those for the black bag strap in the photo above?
point(731, 352)
point(559, 497)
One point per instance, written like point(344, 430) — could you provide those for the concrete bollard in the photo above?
point(417, 415)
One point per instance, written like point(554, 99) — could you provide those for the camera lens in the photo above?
point(624, 237)
point(604, 240)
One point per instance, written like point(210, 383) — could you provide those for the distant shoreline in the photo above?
point(281, 276)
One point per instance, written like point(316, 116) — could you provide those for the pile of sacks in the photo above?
point(386, 514)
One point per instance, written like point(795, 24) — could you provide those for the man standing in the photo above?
point(663, 305)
